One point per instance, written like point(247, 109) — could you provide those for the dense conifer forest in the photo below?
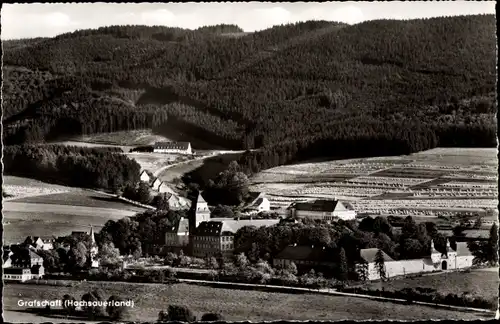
point(295, 91)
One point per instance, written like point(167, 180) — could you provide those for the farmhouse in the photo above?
point(330, 210)
point(156, 184)
point(144, 176)
point(304, 256)
point(461, 258)
point(40, 243)
point(177, 236)
point(22, 265)
point(260, 204)
point(172, 147)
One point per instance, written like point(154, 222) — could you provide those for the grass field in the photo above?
point(124, 138)
point(42, 209)
point(235, 305)
point(477, 282)
point(441, 181)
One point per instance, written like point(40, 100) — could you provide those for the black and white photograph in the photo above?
point(249, 161)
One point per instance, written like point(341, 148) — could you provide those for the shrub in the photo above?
point(116, 312)
point(212, 317)
point(176, 313)
point(70, 309)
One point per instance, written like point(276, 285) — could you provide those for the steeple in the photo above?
point(94, 250)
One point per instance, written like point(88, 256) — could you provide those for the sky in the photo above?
point(48, 20)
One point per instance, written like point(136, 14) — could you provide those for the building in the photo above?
point(173, 147)
point(40, 243)
point(16, 274)
point(156, 184)
point(201, 211)
point(177, 237)
point(304, 256)
point(216, 237)
point(461, 258)
point(22, 265)
point(261, 204)
point(164, 187)
point(144, 176)
point(94, 250)
point(211, 239)
point(330, 210)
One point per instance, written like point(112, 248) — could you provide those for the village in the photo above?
point(204, 235)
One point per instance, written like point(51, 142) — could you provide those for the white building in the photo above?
point(261, 204)
point(156, 184)
point(330, 210)
point(94, 263)
point(145, 176)
point(461, 258)
point(173, 147)
point(202, 212)
point(40, 243)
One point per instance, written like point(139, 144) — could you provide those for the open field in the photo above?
point(42, 209)
point(442, 181)
point(125, 138)
point(19, 187)
point(125, 148)
point(479, 283)
point(235, 305)
point(82, 198)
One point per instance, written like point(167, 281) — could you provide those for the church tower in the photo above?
point(435, 254)
point(202, 213)
point(94, 263)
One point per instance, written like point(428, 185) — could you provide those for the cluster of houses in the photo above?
point(22, 262)
point(174, 200)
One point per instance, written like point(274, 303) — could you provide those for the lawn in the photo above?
point(84, 198)
point(235, 305)
point(126, 138)
point(477, 282)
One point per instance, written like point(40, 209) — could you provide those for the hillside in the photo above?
point(297, 91)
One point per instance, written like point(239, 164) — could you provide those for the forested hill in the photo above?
point(297, 91)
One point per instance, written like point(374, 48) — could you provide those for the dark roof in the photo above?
point(304, 253)
point(210, 228)
point(36, 269)
point(46, 239)
point(33, 255)
point(368, 255)
point(14, 270)
point(317, 205)
point(172, 145)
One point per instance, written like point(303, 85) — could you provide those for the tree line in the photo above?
point(103, 168)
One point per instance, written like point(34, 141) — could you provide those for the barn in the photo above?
point(173, 147)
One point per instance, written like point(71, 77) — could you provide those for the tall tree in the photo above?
point(343, 267)
point(380, 264)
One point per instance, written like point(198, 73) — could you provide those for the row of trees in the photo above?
point(73, 166)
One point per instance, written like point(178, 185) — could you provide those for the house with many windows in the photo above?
point(22, 264)
point(173, 147)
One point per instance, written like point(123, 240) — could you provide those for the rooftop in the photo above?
point(304, 253)
point(320, 205)
point(463, 249)
point(368, 255)
point(172, 145)
point(182, 226)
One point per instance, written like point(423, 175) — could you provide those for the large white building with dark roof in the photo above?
point(330, 210)
point(173, 147)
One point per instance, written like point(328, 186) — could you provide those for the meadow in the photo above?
point(235, 305)
point(42, 209)
point(482, 283)
point(437, 182)
point(124, 138)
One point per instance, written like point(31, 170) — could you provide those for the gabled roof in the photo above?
point(172, 145)
point(320, 205)
point(368, 255)
point(33, 255)
point(304, 253)
point(210, 228)
point(45, 239)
